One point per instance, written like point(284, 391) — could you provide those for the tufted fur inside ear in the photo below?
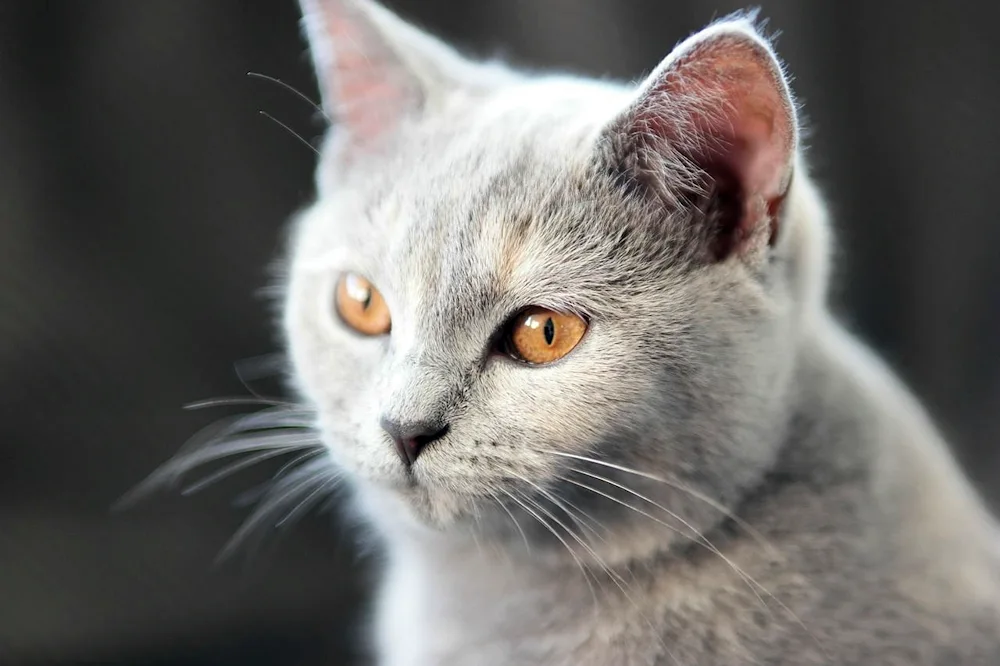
point(714, 125)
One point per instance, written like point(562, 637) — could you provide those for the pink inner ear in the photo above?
point(369, 90)
point(723, 104)
point(730, 90)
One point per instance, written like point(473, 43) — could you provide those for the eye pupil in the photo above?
point(549, 331)
point(367, 300)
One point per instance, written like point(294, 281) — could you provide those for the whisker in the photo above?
point(295, 91)
point(707, 544)
point(566, 528)
point(231, 469)
point(256, 367)
point(171, 472)
point(569, 549)
point(307, 503)
point(294, 486)
point(620, 582)
point(621, 486)
point(699, 536)
point(474, 533)
point(752, 584)
point(503, 506)
point(754, 534)
point(608, 496)
point(583, 524)
point(230, 402)
point(280, 428)
point(238, 446)
point(290, 131)
point(276, 430)
point(270, 419)
point(273, 419)
point(298, 460)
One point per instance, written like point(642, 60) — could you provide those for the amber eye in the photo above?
point(539, 335)
point(361, 306)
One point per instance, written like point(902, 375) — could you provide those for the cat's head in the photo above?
point(511, 287)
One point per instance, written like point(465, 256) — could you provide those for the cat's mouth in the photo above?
point(421, 504)
point(441, 500)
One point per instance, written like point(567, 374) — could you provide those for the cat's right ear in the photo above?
point(375, 71)
point(713, 125)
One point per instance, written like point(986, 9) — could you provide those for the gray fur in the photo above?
point(788, 501)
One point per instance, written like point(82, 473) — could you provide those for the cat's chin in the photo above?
point(415, 507)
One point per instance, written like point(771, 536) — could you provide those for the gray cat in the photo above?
point(567, 343)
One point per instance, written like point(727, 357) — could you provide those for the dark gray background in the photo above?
point(142, 197)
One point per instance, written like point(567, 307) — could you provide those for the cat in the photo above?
point(566, 341)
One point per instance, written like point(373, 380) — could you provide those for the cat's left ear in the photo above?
point(375, 71)
point(715, 123)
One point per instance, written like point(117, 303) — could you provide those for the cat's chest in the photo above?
point(420, 625)
point(429, 618)
point(481, 613)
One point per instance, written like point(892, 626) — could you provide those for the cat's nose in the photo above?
point(411, 438)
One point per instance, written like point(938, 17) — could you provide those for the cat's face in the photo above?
point(475, 198)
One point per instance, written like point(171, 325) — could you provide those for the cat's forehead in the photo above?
point(523, 225)
point(475, 228)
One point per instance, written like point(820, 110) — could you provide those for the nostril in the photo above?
point(423, 440)
point(411, 438)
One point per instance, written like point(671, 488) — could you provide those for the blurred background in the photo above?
point(142, 198)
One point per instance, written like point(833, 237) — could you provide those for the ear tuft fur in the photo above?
point(715, 125)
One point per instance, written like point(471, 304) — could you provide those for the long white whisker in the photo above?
point(231, 469)
point(701, 541)
point(551, 529)
point(276, 418)
point(234, 401)
point(173, 470)
point(219, 431)
point(620, 582)
point(292, 90)
point(698, 536)
point(267, 423)
point(290, 131)
point(238, 446)
point(585, 486)
point(503, 506)
point(562, 504)
point(474, 532)
point(566, 528)
point(295, 486)
point(298, 460)
point(307, 502)
point(752, 584)
point(754, 534)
